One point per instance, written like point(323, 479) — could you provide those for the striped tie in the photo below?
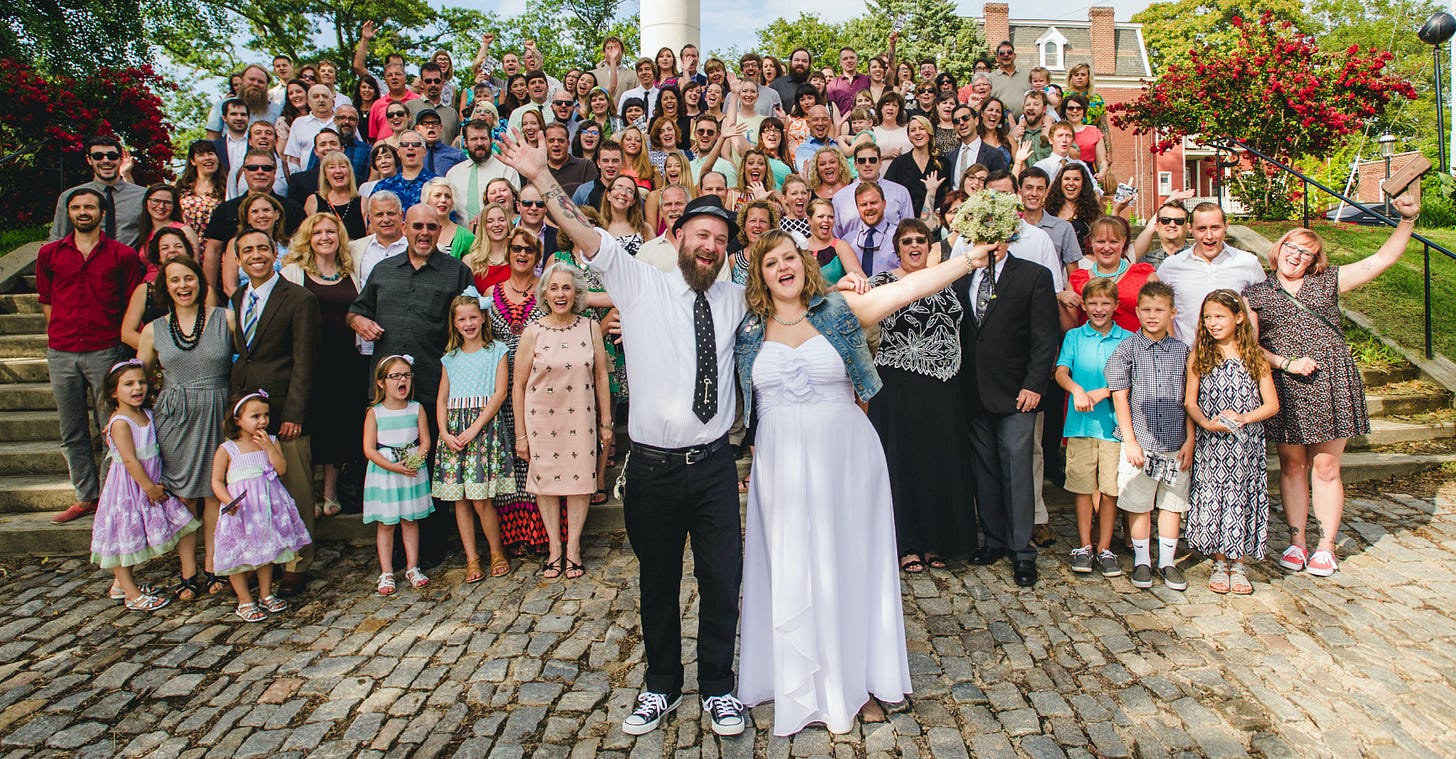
point(250, 318)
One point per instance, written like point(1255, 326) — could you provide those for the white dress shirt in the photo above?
point(657, 333)
point(262, 291)
point(237, 150)
point(1032, 244)
point(300, 137)
point(367, 253)
point(981, 274)
point(1193, 277)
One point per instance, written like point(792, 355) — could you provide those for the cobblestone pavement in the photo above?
point(1360, 664)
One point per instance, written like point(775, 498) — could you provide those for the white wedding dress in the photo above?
point(822, 626)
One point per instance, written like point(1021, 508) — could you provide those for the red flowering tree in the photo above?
point(1278, 92)
point(56, 114)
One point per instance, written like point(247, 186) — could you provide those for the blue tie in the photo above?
point(250, 318)
point(867, 257)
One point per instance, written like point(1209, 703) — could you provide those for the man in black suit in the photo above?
point(967, 123)
point(277, 339)
point(1009, 340)
point(305, 182)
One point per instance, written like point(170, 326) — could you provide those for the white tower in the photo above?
point(668, 23)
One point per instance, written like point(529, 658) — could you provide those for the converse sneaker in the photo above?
point(651, 708)
point(1293, 559)
point(1082, 560)
point(1107, 564)
point(1142, 576)
point(1322, 564)
point(727, 713)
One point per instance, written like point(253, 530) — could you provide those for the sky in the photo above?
point(738, 20)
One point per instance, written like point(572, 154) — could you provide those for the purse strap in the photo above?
point(1338, 332)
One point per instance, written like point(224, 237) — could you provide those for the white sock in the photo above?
point(1140, 551)
point(1167, 551)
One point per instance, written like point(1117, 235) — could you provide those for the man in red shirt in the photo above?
point(396, 91)
point(84, 280)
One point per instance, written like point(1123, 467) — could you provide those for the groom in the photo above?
point(678, 330)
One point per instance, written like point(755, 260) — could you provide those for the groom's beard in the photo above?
point(699, 276)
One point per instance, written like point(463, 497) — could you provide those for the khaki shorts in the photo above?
point(1141, 493)
point(1092, 465)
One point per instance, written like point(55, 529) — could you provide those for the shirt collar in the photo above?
point(972, 145)
point(1148, 342)
point(401, 244)
point(1116, 332)
point(265, 289)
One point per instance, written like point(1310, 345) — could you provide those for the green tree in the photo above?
point(77, 37)
point(1171, 30)
point(933, 29)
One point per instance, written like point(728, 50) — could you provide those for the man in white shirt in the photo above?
point(898, 205)
point(971, 150)
point(386, 218)
point(232, 146)
point(646, 88)
point(1209, 264)
point(1062, 137)
point(306, 127)
point(283, 69)
point(678, 330)
point(537, 89)
point(469, 178)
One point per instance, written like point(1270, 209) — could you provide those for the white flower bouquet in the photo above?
point(988, 216)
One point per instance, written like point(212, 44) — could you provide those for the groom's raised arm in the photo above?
point(530, 163)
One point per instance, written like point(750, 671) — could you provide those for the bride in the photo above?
point(822, 628)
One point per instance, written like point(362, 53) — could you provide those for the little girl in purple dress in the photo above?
point(137, 519)
point(258, 524)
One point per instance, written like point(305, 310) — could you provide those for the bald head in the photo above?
point(422, 229)
point(320, 101)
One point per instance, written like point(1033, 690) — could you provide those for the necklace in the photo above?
point(187, 340)
point(515, 315)
point(802, 317)
point(335, 277)
point(1122, 268)
point(517, 290)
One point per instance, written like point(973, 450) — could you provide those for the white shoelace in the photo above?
point(651, 704)
point(723, 706)
point(1083, 551)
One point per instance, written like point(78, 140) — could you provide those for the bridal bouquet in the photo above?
point(411, 457)
point(988, 216)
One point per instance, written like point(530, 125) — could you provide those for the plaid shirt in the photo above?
point(1153, 373)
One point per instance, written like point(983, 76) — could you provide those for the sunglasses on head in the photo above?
point(107, 155)
point(1175, 220)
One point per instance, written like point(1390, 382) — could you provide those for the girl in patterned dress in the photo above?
point(137, 519)
point(473, 463)
point(1230, 393)
point(257, 524)
point(396, 484)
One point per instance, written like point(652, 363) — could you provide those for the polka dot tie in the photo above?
point(705, 387)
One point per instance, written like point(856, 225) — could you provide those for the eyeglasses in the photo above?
point(260, 167)
point(590, 133)
point(962, 119)
point(706, 133)
point(1175, 221)
point(1005, 51)
point(159, 200)
point(1301, 251)
point(532, 203)
point(108, 155)
point(1072, 107)
point(523, 248)
point(411, 145)
point(916, 240)
point(399, 375)
point(430, 225)
point(867, 159)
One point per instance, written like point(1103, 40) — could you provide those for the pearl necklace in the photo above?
point(802, 317)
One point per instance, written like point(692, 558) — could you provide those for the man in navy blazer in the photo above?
point(967, 123)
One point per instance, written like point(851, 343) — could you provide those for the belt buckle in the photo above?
point(694, 455)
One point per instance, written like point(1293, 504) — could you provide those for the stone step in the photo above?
point(27, 396)
point(1378, 377)
point(1385, 431)
point(20, 303)
point(1381, 404)
point(22, 426)
point(13, 370)
point(22, 346)
point(36, 493)
point(27, 283)
point(38, 457)
point(22, 324)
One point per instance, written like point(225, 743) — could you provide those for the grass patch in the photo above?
point(10, 239)
point(1395, 300)
point(1369, 351)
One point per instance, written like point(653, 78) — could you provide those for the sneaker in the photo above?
point(1173, 577)
point(74, 511)
point(1082, 560)
point(1322, 564)
point(727, 713)
point(1142, 576)
point(1293, 559)
point(651, 708)
point(1107, 564)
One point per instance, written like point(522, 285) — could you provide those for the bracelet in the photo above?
point(608, 425)
point(1284, 367)
point(970, 263)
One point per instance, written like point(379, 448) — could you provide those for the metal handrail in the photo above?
point(1233, 145)
point(28, 149)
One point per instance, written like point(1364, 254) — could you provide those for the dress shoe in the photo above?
point(1025, 573)
point(292, 583)
point(985, 556)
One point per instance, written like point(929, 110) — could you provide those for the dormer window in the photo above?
point(1052, 46)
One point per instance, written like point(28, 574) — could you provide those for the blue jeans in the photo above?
point(74, 377)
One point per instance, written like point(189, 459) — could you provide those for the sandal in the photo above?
point(552, 569)
point(473, 572)
point(1218, 581)
point(117, 594)
point(385, 586)
point(273, 604)
point(912, 564)
point(214, 584)
point(934, 562)
point(147, 602)
point(331, 507)
point(250, 613)
point(500, 566)
point(416, 577)
point(1239, 584)
point(573, 569)
point(600, 497)
point(192, 586)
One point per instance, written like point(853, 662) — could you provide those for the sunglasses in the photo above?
point(110, 155)
point(412, 145)
point(399, 375)
point(260, 167)
point(1072, 107)
point(561, 103)
point(430, 225)
point(396, 114)
point(432, 81)
point(523, 248)
point(1006, 51)
point(1172, 220)
point(962, 119)
point(867, 159)
point(532, 203)
point(916, 240)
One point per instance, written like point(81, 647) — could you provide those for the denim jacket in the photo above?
point(829, 314)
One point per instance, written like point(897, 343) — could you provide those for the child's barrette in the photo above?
point(259, 393)
point(471, 292)
point(126, 363)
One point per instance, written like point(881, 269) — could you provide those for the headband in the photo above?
point(259, 393)
point(123, 364)
point(405, 357)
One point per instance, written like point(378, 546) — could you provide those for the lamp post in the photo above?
point(1437, 31)
point(1387, 149)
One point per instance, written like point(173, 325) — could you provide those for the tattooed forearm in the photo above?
point(565, 209)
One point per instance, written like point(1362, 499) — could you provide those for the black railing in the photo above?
point(1231, 145)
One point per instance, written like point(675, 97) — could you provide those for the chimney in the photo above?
point(1104, 41)
point(998, 28)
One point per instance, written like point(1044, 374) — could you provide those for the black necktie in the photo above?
point(867, 257)
point(985, 291)
point(111, 212)
point(431, 154)
point(705, 387)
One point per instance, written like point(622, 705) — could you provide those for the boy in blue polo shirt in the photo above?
point(1092, 448)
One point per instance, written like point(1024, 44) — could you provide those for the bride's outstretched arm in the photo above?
point(878, 303)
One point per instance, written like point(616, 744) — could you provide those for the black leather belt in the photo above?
point(690, 455)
